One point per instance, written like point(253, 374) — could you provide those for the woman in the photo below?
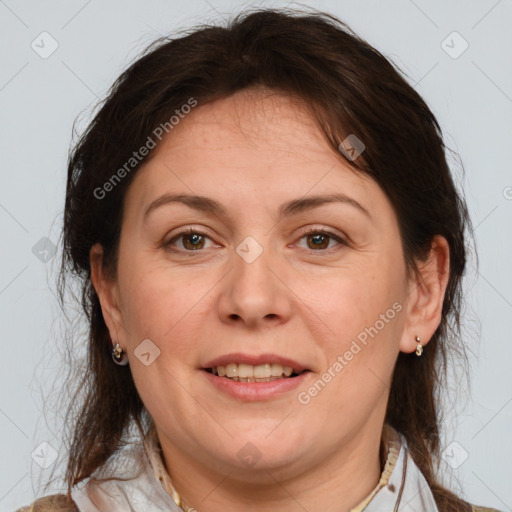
point(270, 247)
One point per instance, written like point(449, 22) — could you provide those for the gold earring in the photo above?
point(118, 355)
point(419, 348)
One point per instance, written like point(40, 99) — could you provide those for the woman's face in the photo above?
point(249, 280)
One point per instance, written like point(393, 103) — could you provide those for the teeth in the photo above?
point(244, 371)
point(232, 370)
point(254, 379)
point(263, 371)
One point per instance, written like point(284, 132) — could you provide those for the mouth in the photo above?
point(255, 377)
point(262, 382)
point(266, 372)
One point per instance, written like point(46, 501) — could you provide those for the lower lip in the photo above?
point(256, 390)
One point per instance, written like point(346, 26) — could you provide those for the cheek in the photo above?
point(346, 300)
point(361, 319)
point(166, 307)
point(360, 349)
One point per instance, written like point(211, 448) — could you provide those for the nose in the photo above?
point(255, 292)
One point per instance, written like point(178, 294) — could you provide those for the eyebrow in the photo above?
point(293, 207)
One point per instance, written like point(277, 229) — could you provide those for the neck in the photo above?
point(338, 482)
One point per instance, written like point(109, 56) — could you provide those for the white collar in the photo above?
point(141, 491)
point(406, 490)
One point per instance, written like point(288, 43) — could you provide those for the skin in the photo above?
point(252, 152)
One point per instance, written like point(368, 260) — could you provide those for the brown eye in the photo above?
point(317, 241)
point(192, 240)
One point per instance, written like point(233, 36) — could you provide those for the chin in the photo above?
point(251, 455)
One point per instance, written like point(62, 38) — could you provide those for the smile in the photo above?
point(254, 388)
point(242, 372)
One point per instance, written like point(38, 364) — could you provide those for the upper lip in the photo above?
point(254, 360)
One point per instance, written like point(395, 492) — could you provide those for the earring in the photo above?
point(419, 348)
point(117, 355)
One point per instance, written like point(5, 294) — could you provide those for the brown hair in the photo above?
point(351, 88)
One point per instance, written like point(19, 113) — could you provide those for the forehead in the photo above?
point(267, 120)
point(253, 145)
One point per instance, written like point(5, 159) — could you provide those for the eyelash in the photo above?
point(310, 231)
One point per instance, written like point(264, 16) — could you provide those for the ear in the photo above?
point(108, 294)
point(426, 296)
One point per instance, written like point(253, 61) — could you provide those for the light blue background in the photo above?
point(40, 98)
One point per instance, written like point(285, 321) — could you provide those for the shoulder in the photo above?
point(477, 508)
point(52, 503)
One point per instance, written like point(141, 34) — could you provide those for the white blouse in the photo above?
point(146, 486)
